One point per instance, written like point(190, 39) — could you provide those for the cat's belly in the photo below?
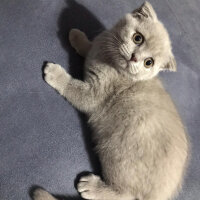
point(136, 152)
point(125, 164)
point(128, 164)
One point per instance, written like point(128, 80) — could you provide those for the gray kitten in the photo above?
point(139, 135)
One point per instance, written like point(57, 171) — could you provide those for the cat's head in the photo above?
point(140, 45)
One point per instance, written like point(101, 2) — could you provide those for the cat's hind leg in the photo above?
point(79, 42)
point(40, 194)
point(92, 187)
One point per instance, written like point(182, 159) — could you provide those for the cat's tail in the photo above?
point(40, 194)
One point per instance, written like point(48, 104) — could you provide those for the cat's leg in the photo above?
point(79, 42)
point(40, 194)
point(81, 94)
point(92, 187)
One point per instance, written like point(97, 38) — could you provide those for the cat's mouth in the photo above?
point(130, 66)
point(130, 63)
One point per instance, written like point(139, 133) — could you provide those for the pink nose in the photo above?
point(133, 58)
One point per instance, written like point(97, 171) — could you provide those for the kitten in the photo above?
point(139, 135)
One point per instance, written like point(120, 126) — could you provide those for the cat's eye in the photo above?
point(148, 62)
point(138, 38)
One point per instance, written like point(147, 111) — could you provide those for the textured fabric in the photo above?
point(43, 140)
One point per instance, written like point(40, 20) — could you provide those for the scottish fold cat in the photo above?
point(139, 136)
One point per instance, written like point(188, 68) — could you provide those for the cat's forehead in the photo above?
point(153, 31)
point(156, 39)
point(155, 36)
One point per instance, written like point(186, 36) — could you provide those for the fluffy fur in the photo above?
point(139, 135)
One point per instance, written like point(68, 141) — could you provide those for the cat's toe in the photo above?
point(83, 186)
point(90, 178)
point(88, 195)
point(55, 76)
point(89, 186)
point(50, 72)
point(51, 68)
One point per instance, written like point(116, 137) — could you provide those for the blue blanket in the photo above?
point(44, 141)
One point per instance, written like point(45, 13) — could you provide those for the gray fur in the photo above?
point(139, 135)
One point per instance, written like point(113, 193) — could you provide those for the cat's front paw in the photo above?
point(56, 76)
point(90, 187)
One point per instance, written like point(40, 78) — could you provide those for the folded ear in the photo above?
point(171, 64)
point(146, 10)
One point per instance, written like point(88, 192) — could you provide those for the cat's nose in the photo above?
point(133, 58)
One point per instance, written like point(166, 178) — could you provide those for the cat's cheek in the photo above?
point(133, 70)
